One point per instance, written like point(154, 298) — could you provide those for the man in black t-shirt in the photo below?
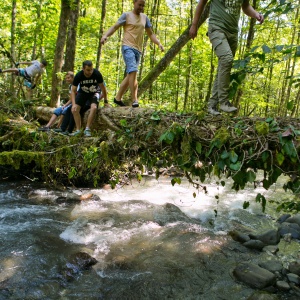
point(89, 80)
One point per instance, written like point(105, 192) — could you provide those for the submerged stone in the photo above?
point(254, 275)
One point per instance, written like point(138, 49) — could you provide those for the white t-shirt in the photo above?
point(34, 68)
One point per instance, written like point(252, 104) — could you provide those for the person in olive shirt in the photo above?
point(223, 34)
point(88, 80)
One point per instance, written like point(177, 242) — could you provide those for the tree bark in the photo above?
point(71, 38)
point(167, 59)
point(103, 14)
point(12, 45)
point(59, 51)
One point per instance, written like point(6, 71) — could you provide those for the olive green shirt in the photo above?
point(226, 14)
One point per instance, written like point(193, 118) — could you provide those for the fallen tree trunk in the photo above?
point(126, 139)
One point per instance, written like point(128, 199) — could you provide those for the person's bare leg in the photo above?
point(51, 121)
point(91, 116)
point(123, 87)
point(76, 114)
point(133, 85)
point(10, 70)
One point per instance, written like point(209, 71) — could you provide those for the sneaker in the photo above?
point(57, 130)
point(227, 107)
point(119, 102)
point(27, 84)
point(44, 128)
point(87, 132)
point(77, 132)
point(135, 104)
point(65, 132)
point(213, 111)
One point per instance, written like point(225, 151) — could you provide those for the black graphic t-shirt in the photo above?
point(88, 85)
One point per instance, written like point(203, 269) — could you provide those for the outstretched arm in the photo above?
point(154, 39)
point(110, 32)
point(199, 10)
point(251, 12)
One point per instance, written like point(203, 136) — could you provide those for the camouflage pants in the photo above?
point(224, 45)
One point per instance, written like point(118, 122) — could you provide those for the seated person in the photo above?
point(62, 110)
point(68, 122)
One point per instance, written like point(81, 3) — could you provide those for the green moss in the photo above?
point(14, 158)
point(262, 128)
point(222, 135)
point(104, 151)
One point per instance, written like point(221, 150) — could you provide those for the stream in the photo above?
point(151, 240)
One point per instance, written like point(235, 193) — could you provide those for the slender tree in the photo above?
point(99, 50)
point(71, 37)
point(59, 51)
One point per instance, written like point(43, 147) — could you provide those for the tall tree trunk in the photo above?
point(71, 38)
point(59, 51)
point(249, 43)
point(12, 38)
point(99, 50)
point(188, 75)
point(167, 59)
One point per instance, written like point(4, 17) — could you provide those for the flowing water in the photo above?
point(152, 240)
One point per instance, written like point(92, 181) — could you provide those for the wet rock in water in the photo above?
point(294, 267)
point(271, 237)
point(283, 285)
point(294, 219)
point(254, 275)
point(259, 295)
point(78, 262)
point(52, 197)
point(254, 244)
point(282, 218)
point(272, 265)
point(239, 236)
point(290, 228)
point(171, 213)
point(271, 248)
point(293, 278)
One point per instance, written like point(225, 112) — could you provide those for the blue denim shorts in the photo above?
point(61, 111)
point(132, 59)
point(24, 74)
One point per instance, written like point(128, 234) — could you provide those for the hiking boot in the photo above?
point(119, 102)
point(44, 128)
point(57, 130)
point(227, 107)
point(213, 111)
point(77, 132)
point(87, 132)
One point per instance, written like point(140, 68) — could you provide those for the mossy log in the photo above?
point(127, 139)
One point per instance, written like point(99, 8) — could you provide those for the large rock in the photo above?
point(294, 267)
point(239, 236)
point(79, 262)
point(294, 219)
point(290, 228)
point(271, 237)
point(254, 275)
point(259, 295)
point(254, 244)
point(272, 265)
